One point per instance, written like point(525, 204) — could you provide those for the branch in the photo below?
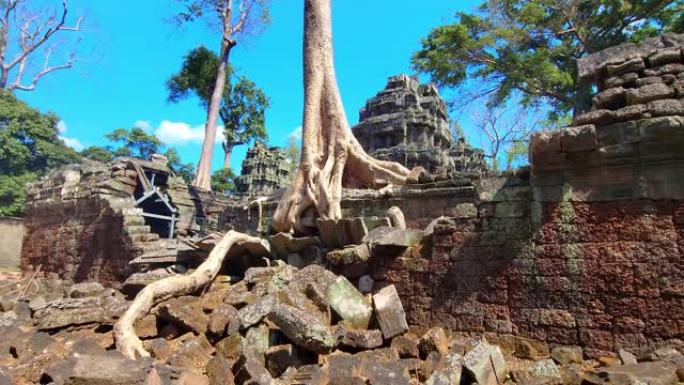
point(47, 68)
point(30, 48)
point(245, 9)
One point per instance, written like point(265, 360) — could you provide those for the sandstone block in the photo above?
point(647, 93)
point(281, 357)
point(434, 340)
point(255, 312)
point(581, 138)
point(220, 371)
point(664, 56)
point(390, 312)
point(485, 364)
point(610, 98)
point(303, 329)
point(86, 289)
point(596, 117)
point(406, 346)
point(666, 107)
point(617, 81)
point(186, 312)
point(224, 321)
point(633, 65)
point(349, 303)
point(362, 339)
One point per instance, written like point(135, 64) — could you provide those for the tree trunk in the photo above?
point(203, 175)
point(227, 154)
point(331, 156)
point(127, 341)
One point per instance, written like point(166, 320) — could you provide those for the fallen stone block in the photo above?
point(362, 339)
point(224, 321)
point(564, 355)
point(285, 244)
point(450, 374)
point(70, 311)
point(231, 347)
point(186, 312)
point(194, 354)
point(434, 340)
point(251, 371)
point(349, 255)
point(255, 312)
point(103, 369)
point(406, 346)
point(486, 364)
point(349, 303)
point(303, 329)
point(220, 371)
point(390, 312)
point(393, 237)
point(146, 327)
point(652, 373)
point(626, 357)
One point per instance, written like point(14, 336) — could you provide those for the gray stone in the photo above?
point(634, 112)
point(366, 284)
point(666, 107)
point(251, 371)
point(230, 347)
point(9, 318)
point(220, 371)
point(349, 303)
point(595, 117)
point(349, 255)
point(70, 311)
point(633, 65)
point(450, 374)
point(281, 357)
point(86, 289)
point(390, 236)
point(610, 98)
point(101, 369)
point(648, 92)
point(485, 364)
point(303, 329)
point(390, 312)
point(406, 346)
point(37, 303)
point(264, 170)
point(581, 138)
point(664, 56)
point(672, 68)
point(7, 302)
point(328, 230)
point(621, 80)
point(626, 357)
point(194, 354)
point(285, 244)
point(255, 312)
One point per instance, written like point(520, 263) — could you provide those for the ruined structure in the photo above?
point(584, 247)
point(408, 123)
point(97, 221)
point(264, 171)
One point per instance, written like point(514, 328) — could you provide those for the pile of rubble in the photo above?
point(279, 325)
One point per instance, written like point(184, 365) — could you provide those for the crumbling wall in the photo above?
point(590, 252)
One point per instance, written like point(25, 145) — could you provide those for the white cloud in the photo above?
point(70, 142)
point(180, 133)
point(61, 127)
point(143, 124)
point(296, 134)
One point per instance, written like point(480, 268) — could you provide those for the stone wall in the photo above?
point(264, 170)
point(82, 221)
point(11, 236)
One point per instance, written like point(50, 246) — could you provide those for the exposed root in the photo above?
point(127, 341)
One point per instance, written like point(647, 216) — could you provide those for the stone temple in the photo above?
point(407, 122)
point(264, 171)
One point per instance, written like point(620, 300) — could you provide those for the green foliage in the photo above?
point(243, 105)
point(184, 170)
point(134, 142)
point(29, 147)
point(258, 15)
point(98, 153)
point(529, 48)
point(293, 153)
point(516, 153)
point(223, 181)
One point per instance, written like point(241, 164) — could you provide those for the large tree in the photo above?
point(29, 147)
point(33, 42)
point(233, 23)
point(331, 156)
point(527, 49)
point(243, 106)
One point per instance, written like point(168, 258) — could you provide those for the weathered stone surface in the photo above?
point(633, 65)
point(666, 107)
point(349, 255)
point(450, 374)
point(485, 364)
point(390, 312)
point(230, 347)
point(279, 358)
point(255, 312)
point(146, 327)
point(285, 244)
point(362, 339)
point(264, 170)
point(565, 355)
point(406, 346)
point(224, 320)
point(434, 340)
point(186, 312)
point(582, 138)
point(251, 371)
point(349, 304)
point(531, 349)
point(366, 284)
point(70, 311)
point(104, 369)
point(626, 357)
point(303, 329)
point(220, 371)
point(596, 117)
point(665, 56)
point(86, 289)
point(654, 373)
point(194, 353)
point(610, 98)
point(390, 236)
point(647, 93)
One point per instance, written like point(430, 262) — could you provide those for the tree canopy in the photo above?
point(529, 48)
point(243, 105)
point(29, 147)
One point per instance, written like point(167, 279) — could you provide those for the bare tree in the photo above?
point(249, 17)
point(503, 132)
point(331, 156)
point(29, 43)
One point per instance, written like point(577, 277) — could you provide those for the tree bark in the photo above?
point(227, 154)
point(127, 341)
point(331, 156)
point(203, 174)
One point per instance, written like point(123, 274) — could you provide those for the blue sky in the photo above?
point(129, 49)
